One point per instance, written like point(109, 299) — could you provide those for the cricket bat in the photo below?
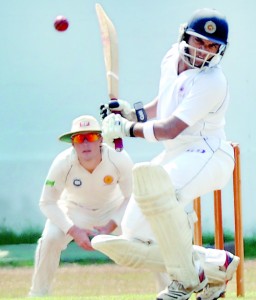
point(110, 53)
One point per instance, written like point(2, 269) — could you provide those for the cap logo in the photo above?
point(84, 124)
point(210, 27)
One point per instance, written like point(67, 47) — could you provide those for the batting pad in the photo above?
point(130, 253)
point(137, 254)
point(155, 195)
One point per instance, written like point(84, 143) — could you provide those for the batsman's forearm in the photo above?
point(138, 130)
point(160, 130)
point(151, 108)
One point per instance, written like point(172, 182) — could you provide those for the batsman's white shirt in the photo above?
point(72, 195)
point(198, 97)
point(200, 159)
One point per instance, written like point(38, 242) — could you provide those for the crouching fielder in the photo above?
point(86, 192)
point(189, 118)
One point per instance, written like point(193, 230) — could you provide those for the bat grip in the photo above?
point(118, 142)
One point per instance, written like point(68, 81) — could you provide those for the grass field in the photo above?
point(102, 282)
point(79, 278)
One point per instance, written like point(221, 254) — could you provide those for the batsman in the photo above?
point(188, 117)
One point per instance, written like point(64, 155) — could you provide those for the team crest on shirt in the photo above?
point(108, 179)
point(77, 182)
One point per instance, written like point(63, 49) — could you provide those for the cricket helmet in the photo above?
point(206, 24)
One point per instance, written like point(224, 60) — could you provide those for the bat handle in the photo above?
point(118, 142)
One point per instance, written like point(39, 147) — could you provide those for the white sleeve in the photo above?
point(53, 187)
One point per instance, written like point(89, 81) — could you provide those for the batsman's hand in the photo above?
point(121, 106)
point(114, 126)
point(81, 237)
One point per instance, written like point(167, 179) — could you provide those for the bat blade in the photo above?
point(110, 53)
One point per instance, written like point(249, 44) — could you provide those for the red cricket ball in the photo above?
point(61, 23)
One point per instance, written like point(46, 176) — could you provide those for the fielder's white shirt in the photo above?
point(107, 189)
point(198, 97)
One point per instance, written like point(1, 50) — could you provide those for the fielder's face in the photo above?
point(202, 50)
point(88, 149)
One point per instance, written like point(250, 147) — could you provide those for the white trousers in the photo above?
point(194, 171)
point(47, 257)
point(53, 241)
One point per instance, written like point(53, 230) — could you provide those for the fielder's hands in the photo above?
point(121, 106)
point(81, 237)
point(114, 126)
point(107, 229)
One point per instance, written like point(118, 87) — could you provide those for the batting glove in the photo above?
point(114, 126)
point(121, 106)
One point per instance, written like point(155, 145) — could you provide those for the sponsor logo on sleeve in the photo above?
point(50, 182)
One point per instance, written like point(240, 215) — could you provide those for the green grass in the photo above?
point(249, 248)
point(27, 236)
point(16, 262)
point(103, 282)
point(22, 255)
point(118, 297)
point(249, 296)
point(31, 235)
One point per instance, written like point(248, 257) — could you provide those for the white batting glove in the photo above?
point(118, 105)
point(114, 126)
